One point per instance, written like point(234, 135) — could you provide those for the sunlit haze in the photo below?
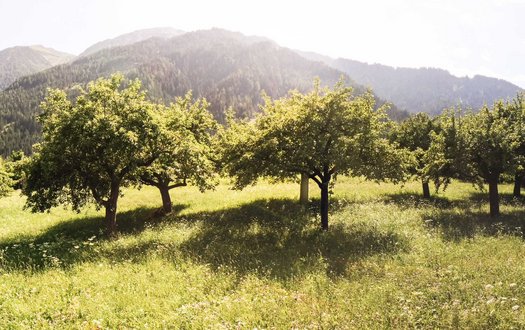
point(464, 37)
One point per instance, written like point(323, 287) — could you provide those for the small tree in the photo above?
point(91, 147)
point(184, 149)
point(320, 134)
point(491, 141)
point(446, 157)
point(517, 107)
point(6, 182)
point(414, 134)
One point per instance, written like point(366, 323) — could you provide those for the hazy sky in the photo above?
point(466, 37)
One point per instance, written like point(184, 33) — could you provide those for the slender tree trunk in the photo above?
point(166, 198)
point(494, 196)
point(426, 190)
point(324, 205)
point(111, 209)
point(517, 185)
point(303, 198)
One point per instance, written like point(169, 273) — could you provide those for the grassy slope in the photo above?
point(255, 258)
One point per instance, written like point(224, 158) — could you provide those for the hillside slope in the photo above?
point(16, 62)
point(422, 90)
point(227, 68)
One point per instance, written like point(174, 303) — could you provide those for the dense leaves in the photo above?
point(91, 147)
point(320, 134)
point(184, 147)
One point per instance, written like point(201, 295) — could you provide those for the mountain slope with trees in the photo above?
point(16, 62)
point(227, 68)
point(427, 90)
point(131, 38)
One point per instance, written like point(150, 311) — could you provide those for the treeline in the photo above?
point(111, 136)
point(228, 69)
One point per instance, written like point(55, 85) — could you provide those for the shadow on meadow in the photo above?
point(471, 217)
point(278, 237)
point(416, 200)
point(70, 241)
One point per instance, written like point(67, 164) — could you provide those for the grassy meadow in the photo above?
point(256, 259)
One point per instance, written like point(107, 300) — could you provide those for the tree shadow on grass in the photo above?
point(71, 241)
point(414, 200)
point(455, 226)
point(278, 238)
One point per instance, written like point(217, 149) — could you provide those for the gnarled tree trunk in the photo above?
point(167, 206)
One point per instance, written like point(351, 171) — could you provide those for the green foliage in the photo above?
point(184, 147)
point(491, 141)
point(446, 158)
point(320, 134)
point(6, 181)
point(415, 134)
point(91, 147)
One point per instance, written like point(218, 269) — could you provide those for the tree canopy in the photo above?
point(320, 134)
point(184, 148)
point(91, 147)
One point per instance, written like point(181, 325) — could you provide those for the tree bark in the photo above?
point(166, 198)
point(111, 209)
point(426, 190)
point(494, 196)
point(303, 198)
point(324, 205)
point(517, 185)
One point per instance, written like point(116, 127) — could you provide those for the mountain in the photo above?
point(20, 61)
point(422, 90)
point(133, 37)
point(227, 68)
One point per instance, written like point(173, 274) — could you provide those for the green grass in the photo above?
point(256, 259)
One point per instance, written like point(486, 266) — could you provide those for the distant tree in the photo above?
point(320, 134)
point(184, 148)
point(91, 147)
point(6, 181)
point(414, 134)
point(491, 143)
point(517, 107)
point(446, 157)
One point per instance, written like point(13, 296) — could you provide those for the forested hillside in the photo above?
point(131, 38)
point(228, 69)
point(422, 90)
point(16, 62)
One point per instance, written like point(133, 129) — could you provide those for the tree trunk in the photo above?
point(303, 198)
point(166, 198)
point(426, 190)
point(324, 206)
point(111, 209)
point(517, 185)
point(494, 196)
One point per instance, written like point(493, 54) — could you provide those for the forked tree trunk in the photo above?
point(324, 205)
point(167, 206)
point(494, 196)
point(517, 185)
point(303, 197)
point(426, 190)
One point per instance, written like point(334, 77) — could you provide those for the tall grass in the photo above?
point(256, 259)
